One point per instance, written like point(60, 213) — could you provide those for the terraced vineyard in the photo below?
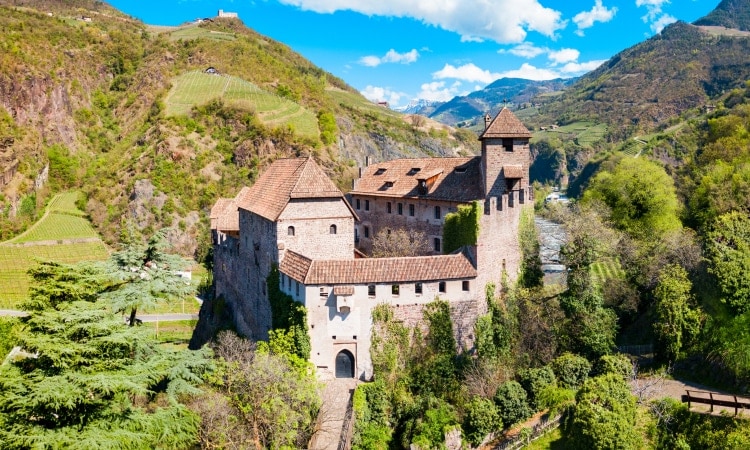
point(197, 88)
point(63, 235)
point(606, 270)
point(585, 134)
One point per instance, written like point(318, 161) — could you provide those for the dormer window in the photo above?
point(414, 170)
point(460, 169)
point(380, 171)
point(388, 184)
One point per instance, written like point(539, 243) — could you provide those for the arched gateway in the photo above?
point(344, 364)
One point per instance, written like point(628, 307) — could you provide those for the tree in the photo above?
point(144, 275)
point(399, 242)
point(728, 248)
point(270, 396)
point(88, 381)
point(604, 415)
point(481, 419)
point(676, 322)
point(571, 370)
point(641, 197)
point(512, 403)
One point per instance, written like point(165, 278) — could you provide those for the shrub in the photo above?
point(534, 380)
point(617, 364)
point(571, 370)
point(480, 420)
point(512, 403)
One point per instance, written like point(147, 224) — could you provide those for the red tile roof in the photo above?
point(513, 171)
point(224, 215)
point(377, 270)
point(456, 179)
point(286, 179)
point(506, 125)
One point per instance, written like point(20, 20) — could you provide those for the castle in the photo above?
point(295, 218)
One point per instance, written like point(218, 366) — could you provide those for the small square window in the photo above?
point(400, 209)
point(441, 287)
point(411, 210)
point(371, 290)
point(367, 205)
point(465, 285)
point(418, 288)
point(388, 207)
point(323, 292)
point(394, 289)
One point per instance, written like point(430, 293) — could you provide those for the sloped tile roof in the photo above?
point(455, 179)
point(283, 180)
point(224, 215)
point(513, 171)
point(343, 290)
point(377, 270)
point(506, 125)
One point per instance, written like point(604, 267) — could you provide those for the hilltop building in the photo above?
point(227, 14)
point(295, 218)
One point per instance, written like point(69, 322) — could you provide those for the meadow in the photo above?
point(198, 88)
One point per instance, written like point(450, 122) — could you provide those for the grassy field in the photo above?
point(197, 88)
point(63, 235)
point(189, 32)
point(584, 133)
point(354, 101)
point(177, 332)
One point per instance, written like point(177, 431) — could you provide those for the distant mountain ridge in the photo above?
point(730, 14)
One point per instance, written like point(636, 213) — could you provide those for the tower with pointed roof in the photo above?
point(505, 155)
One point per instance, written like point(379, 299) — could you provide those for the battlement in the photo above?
point(508, 200)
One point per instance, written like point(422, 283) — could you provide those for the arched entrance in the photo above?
point(344, 364)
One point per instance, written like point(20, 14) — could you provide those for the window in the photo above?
point(371, 290)
point(400, 209)
point(436, 244)
point(296, 287)
point(356, 202)
point(323, 292)
point(380, 171)
point(290, 231)
point(418, 288)
point(388, 207)
point(441, 287)
point(367, 232)
point(508, 144)
point(438, 214)
point(332, 229)
point(281, 281)
point(411, 210)
point(367, 205)
point(394, 289)
point(289, 283)
point(465, 285)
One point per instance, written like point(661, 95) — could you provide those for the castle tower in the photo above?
point(505, 154)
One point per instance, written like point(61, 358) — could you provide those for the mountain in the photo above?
point(728, 14)
point(152, 124)
point(493, 97)
point(420, 106)
point(643, 87)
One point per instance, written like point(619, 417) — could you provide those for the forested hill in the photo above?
point(127, 113)
point(729, 14)
point(646, 85)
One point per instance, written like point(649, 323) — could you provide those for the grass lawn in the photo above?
point(198, 88)
point(177, 332)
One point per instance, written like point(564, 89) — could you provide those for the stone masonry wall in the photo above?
point(494, 157)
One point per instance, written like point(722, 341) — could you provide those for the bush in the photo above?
point(555, 399)
point(480, 420)
point(512, 403)
point(571, 370)
point(617, 364)
point(535, 380)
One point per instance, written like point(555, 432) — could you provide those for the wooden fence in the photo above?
point(713, 399)
point(522, 439)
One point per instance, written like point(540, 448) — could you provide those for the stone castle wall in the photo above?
point(494, 157)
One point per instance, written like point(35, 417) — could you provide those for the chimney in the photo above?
point(487, 120)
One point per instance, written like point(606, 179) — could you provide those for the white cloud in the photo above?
point(379, 94)
point(436, 91)
point(529, 72)
point(662, 22)
point(575, 68)
point(655, 17)
point(392, 56)
point(599, 13)
point(502, 21)
point(564, 55)
point(525, 50)
point(467, 72)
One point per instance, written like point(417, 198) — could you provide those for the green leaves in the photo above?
point(728, 248)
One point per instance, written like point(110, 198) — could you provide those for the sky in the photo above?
point(403, 50)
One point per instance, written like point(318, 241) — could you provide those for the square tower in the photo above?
point(505, 154)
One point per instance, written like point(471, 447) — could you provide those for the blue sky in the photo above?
point(402, 50)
